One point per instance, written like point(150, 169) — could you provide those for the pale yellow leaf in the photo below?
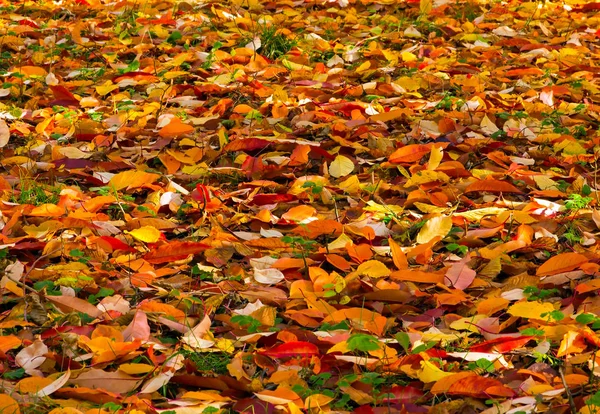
point(544, 182)
point(438, 226)
point(4, 133)
point(341, 166)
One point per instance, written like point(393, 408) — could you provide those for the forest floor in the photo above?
point(368, 206)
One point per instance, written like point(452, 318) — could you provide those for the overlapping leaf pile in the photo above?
point(346, 206)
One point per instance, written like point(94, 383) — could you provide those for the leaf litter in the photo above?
point(337, 206)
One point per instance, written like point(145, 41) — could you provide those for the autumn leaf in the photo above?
point(341, 166)
point(4, 133)
point(216, 209)
point(438, 226)
point(9, 405)
point(531, 310)
point(146, 234)
point(561, 263)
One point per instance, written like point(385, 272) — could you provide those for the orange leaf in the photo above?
point(417, 276)
point(339, 262)
point(175, 128)
point(132, 179)
point(317, 228)
point(174, 250)
point(9, 342)
point(153, 306)
point(492, 186)
point(409, 154)
point(475, 386)
point(442, 386)
point(47, 210)
point(491, 305)
point(360, 318)
point(299, 213)
point(8, 405)
point(561, 263)
point(398, 256)
point(524, 72)
point(359, 253)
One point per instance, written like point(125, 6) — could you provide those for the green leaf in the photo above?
point(424, 347)
point(586, 318)
point(404, 340)
point(363, 342)
point(532, 332)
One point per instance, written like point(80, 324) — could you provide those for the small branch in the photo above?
point(572, 405)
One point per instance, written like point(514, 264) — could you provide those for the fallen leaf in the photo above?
point(438, 226)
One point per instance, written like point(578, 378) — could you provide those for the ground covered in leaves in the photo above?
point(299, 206)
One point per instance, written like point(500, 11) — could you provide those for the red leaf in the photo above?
point(292, 349)
point(248, 144)
point(63, 96)
point(263, 199)
point(117, 244)
point(403, 394)
point(502, 345)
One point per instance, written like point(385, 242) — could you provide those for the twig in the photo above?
point(572, 405)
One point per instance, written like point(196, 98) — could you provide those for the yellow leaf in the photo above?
point(225, 345)
point(341, 166)
point(425, 6)
point(351, 185)
point(408, 57)
point(146, 234)
point(106, 88)
point(339, 347)
point(317, 401)
point(430, 373)
point(530, 310)
point(478, 214)
point(364, 67)
point(572, 343)
point(136, 369)
point(435, 157)
point(32, 385)
point(373, 268)
point(434, 227)
point(425, 177)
